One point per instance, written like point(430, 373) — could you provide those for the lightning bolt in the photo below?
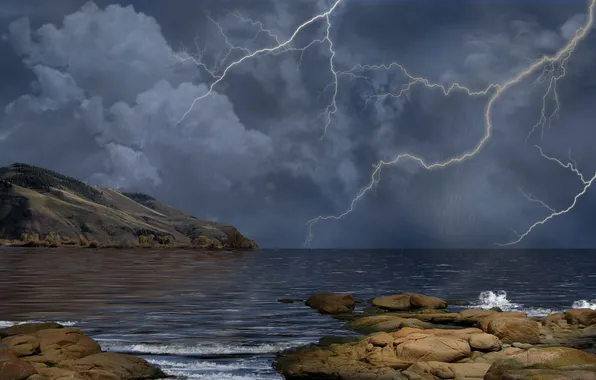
point(554, 69)
point(548, 62)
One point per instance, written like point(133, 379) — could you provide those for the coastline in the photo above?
point(47, 350)
point(416, 337)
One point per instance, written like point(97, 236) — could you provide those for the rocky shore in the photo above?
point(417, 337)
point(49, 351)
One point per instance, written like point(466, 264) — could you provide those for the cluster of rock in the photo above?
point(48, 351)
point(412, 336)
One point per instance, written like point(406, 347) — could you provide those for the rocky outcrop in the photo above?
point(329, 303)
point(408, 301)
point(51, 352)
point(422, 343)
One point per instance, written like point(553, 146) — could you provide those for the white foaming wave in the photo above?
point(12, 323)
point(168, 365)
point(489, 299)
point(199, 349)
point(212, 376)
point(584, 304)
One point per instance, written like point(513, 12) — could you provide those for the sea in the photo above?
point(216, 315)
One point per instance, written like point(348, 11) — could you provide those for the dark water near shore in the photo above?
point(216, 315)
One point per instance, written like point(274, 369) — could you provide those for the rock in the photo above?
point(381, 339)
point(285, 300)
point(125, 367)
point(329, 303)
point(510, 330)
point(396, 302)
point(553, 319)
point(419, 301)
point(497, 309)
point(57, 345)
point(408, 301)
point(522, 345)
point(22, 345)
point(449, 370)
point(54, 373)
point(586, 317)
point(549, 374)
point(458, 303)
point(329, 340)
point(433, 348)
point(28, 328)
point(13, 368)
point(484, 322)
point(376, 323)
point(473, 316)
point(484, 342)
point(549, 358)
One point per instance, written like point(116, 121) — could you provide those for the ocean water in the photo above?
point(216, 315)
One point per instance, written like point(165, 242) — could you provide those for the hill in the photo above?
point(42, 207)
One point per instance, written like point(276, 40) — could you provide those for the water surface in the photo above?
point(216, 316)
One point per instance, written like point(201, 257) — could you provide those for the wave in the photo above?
point(217, 376)
point(584, 304)
point(12, 323)
point(168, 365)
point(489, 299)
point(198, 349)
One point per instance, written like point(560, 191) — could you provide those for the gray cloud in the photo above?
point(107, 96)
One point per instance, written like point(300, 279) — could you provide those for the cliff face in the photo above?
point(37, 203)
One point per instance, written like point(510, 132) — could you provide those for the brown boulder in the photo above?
point(408, 301)
point(448, 370)
point(473, 316)
point(396, 302)
point(484, 342)
point(57, 345)
point(433, 348)
point(510, 330)
point(549, 358)
point(484, 322)
point(329, 303)
point(419, 301)
point(13, 368)
point(21, 345)
point(126, 367)
point(586, 317)
point(381, 339)
point(28, 328)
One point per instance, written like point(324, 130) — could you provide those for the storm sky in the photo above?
point(96, 90)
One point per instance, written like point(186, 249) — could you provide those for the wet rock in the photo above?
point(57, 345)
point(484, 342)
point(510, 330)
point(286, 300)
point(13, 368)
point(586, 317)
point(408, 301)
point(28, 328)
point(125, 367)
point(458, 303)
point(329, 303)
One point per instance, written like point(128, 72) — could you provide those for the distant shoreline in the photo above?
point(44, 244)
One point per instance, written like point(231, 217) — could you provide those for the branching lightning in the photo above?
point(554, 68)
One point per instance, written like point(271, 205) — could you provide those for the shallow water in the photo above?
point(216, 315)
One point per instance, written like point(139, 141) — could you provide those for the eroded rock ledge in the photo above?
point(48, 351)
point(416, 337)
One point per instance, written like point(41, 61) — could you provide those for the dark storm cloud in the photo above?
point(107, 95)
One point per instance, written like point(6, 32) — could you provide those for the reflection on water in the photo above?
point(215, 315)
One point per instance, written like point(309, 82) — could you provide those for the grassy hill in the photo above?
point(42, 207)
